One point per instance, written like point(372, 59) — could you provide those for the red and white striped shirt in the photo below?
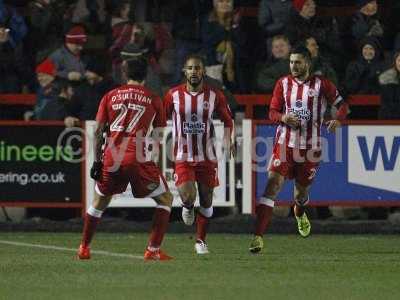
point(192, 114)
point(308, 101)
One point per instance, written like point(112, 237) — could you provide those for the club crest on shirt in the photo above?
point(301, 112)
point(206, 105)
point(276, 162)
point(312, 93)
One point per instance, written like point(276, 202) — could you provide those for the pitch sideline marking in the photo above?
point(49, 247)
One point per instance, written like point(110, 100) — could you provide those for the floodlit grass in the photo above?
point(320, 267)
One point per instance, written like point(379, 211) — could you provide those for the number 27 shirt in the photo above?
point(131, 111)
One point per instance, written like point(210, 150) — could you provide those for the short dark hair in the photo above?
point(301, 49)
point(136, 69)
point(197, 57)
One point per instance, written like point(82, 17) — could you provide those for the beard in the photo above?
point(195, 81)
point(299, 73)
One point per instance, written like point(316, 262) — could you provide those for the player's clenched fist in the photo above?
point(291, 119)
point(95, 170)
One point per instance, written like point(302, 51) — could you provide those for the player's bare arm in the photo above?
point(157, 137)
point(229, 141)
point(95, 171)
point(98, 140)
point(342, 108)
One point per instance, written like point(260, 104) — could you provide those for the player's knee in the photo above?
point(188, 196)
point(301, 200)
point(301, 197)
point(166, 199)
point(274, 186)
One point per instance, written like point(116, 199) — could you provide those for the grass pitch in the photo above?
point(320, 267)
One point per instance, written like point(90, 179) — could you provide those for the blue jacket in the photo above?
point(12, 20)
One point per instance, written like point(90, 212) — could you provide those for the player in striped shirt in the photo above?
point(191, 106)
point(298, 105)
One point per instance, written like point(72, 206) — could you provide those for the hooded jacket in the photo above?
point(390, 94)
point(362, 75)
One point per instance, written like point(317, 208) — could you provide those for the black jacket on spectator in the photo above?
point(212, 34)
point(362, 75)
point(325, 30)
point(86, 99)
point(364, 26)
point(45, 26)
point(55, 110)
point(13, 70)
point(390, 94)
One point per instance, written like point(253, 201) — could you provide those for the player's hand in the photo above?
point(71, 122)
point(332, 125)
point(74, 76)
point(291, 120)
point(233, 149)
point(95, 170)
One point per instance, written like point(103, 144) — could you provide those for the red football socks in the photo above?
point(89, 229)
point(202, 224)
point(263, 214)
point(160, 224)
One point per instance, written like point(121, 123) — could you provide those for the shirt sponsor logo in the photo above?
point(301, 113)
point(206, 105)
point(194, 126)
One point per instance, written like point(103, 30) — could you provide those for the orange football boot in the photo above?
point(83, 252)
point(156, 255)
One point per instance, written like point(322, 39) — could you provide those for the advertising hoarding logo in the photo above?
point(374, 157)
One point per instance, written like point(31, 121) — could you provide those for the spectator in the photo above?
point(13, 21)
point(121, 27)
point(304, 23)
point(273, 16)
point(224, 44)
point(137, 36)
point(67, 59)
point(397, 43)
point(277, 67)
point(13, 70)
point(44, 26)
point(320, 65)
point(186, 30)
point(135, 51)
point(390, 91)
point(362, 74)
point(86, 99)
point(46, 74)
point(366, 21)
point(56, 109)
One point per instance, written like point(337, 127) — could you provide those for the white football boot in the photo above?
point(201, 247)
point(188, 215)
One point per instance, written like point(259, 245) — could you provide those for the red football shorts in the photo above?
point(298, 164)
point(145, 178)
point(203, 172)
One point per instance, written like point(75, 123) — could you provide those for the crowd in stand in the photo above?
point(70, 52)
